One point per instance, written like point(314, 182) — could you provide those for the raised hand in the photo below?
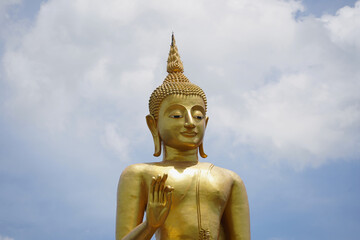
point(159, 201)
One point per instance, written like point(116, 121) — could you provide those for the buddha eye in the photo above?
point(197, 114)
point(175, 116)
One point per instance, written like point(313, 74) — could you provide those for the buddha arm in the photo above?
point(141, 232)
point(236, 218)
point(131, 203)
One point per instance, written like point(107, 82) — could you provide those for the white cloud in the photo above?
point(5, 238)
point(343, 27)
point(308, 111)
point(285, 87)
point(115, 142)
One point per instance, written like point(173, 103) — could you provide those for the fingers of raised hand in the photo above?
point(161, 188)
point(167, 194)
point(157, 189)
point(151, 189)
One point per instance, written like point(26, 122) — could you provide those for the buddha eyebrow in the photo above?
point(173, 107)
point(198, 107)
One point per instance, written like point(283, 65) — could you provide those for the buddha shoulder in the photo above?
point(142, 171)
point(227, 174)
point(132, 172)
point(139, 170)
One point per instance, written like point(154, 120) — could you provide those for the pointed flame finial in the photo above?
point(174, 63)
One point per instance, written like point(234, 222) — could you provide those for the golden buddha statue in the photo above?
point(182, 197)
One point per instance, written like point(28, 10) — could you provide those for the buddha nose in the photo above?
point(189, 120)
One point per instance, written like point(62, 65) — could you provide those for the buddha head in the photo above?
point(177, 109)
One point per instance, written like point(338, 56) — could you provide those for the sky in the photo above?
point(282, 82)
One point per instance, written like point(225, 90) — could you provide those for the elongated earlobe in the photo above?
point(151, 122)
point(157, 143)
point(201, 147)
point(201, 151)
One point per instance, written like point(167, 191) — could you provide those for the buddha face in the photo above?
point(182, 121)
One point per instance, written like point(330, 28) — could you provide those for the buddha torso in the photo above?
point(214, 187)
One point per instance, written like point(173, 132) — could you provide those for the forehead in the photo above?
point(182, 100)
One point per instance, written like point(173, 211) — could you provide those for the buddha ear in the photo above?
point(201, 147)
point(151, 122)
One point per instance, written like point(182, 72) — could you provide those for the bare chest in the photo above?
point(198, 201)
point(195, 185)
